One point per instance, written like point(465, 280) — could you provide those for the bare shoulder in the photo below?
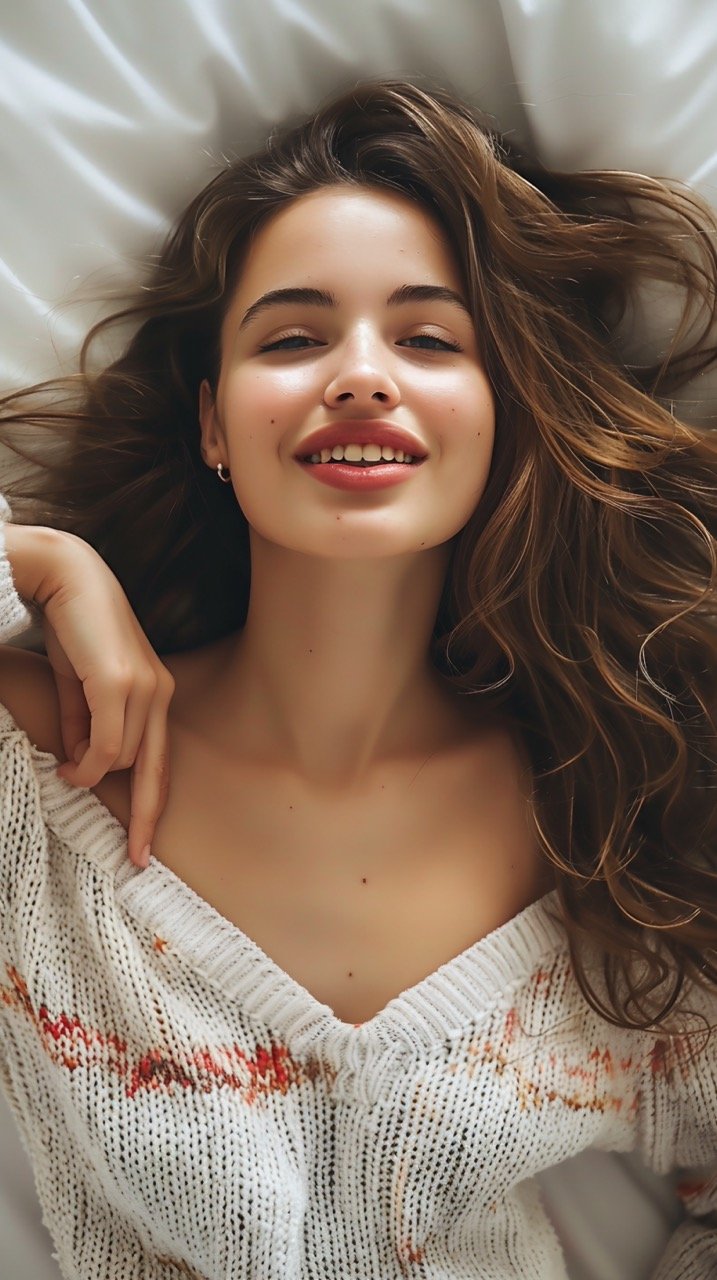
point(27, 689)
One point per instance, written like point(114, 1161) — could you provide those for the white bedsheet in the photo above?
point(114, 112)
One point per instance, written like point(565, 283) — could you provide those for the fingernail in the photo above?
point(144, 856)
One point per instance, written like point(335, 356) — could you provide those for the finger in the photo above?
point(136, 715)
point(153, 686)
point(106, 734)
point(74, 714)
point(149, 784)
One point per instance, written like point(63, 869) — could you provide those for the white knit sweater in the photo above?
point(191, 1111)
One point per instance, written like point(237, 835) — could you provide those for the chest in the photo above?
point(357, 893)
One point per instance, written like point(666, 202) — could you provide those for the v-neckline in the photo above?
point(181, 923)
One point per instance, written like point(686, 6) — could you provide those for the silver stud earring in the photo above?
point(220, 472)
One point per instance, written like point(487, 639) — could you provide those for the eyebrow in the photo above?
point(322, 298)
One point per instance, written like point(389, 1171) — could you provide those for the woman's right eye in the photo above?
point(279, 344)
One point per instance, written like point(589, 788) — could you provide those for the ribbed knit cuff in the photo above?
point(15, 617)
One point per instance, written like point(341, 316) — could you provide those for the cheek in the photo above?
point(466, 418)
point(268, 387)
point(247, 413)
point(254, 427)
point(260, 408)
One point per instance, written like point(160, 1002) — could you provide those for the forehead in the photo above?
point(355, 235)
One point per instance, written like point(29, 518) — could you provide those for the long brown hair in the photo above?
point(581, 594)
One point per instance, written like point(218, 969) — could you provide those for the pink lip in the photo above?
point(360, 431)
point(382, 475)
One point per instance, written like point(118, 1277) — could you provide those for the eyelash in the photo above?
point(431, 337)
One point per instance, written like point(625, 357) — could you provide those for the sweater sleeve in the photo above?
point(681, 1097)
point(15, 617)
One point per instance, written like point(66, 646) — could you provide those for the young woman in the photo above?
point(431, 572)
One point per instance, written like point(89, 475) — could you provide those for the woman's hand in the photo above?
point(113, 690)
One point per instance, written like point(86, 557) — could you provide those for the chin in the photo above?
point(349, 536)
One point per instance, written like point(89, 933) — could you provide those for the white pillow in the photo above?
point(112, 115)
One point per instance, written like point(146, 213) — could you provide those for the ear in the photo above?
point(212, 446)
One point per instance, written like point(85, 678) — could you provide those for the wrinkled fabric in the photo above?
point(112, 115)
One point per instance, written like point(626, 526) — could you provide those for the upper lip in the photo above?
point(361, 431)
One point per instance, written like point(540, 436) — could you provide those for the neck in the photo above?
point(331, 673)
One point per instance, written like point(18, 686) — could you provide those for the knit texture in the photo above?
point(14, 616)
point(190, 1111)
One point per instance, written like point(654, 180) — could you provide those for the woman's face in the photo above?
point(371, 352)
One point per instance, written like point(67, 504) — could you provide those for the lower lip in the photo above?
point(361, 479)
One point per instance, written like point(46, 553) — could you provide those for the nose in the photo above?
point(363, 375)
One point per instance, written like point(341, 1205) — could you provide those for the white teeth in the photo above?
point(371, 453)
point(362, 453)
